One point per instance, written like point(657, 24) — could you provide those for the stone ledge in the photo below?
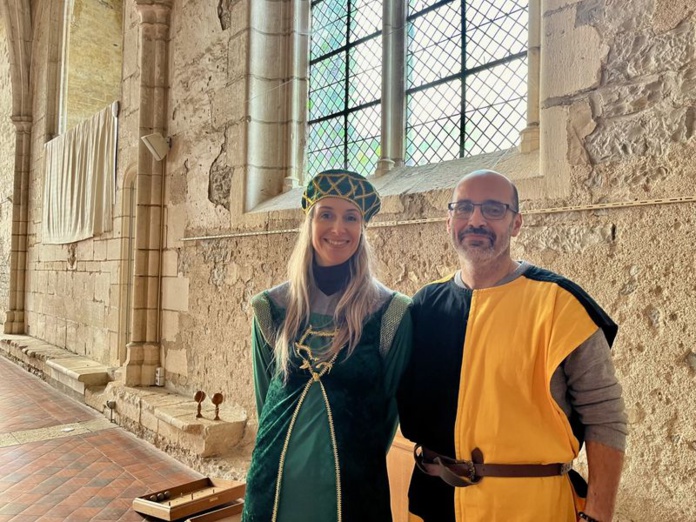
point(69, 372)
point(171, 418)
point(150, 412)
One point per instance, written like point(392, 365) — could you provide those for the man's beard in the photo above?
point(486, 248)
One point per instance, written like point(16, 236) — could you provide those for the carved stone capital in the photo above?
point(154, 13)
point(23, 123)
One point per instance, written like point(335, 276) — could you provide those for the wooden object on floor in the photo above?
point(190, 498)
point(230, 513)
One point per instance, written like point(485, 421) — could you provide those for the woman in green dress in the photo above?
point(329, 348)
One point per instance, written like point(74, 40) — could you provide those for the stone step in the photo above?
point(69, 372)
point(164, 417)
point(169, 419)
point(78, 373)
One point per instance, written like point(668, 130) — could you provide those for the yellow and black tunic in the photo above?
point(479, 377)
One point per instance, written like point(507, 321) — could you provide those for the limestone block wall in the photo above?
point(7, 154)
point(629, 127)
point(93, 58)
point(644, 278)
point(72, 297)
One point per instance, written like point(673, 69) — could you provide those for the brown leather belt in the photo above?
point(463, 473)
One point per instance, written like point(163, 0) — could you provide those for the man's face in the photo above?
point(475, 237)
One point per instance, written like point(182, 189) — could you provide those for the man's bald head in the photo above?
point(495, 179)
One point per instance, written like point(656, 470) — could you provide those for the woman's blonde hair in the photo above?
point(358, 301)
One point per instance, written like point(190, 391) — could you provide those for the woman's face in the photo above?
point(336, 228)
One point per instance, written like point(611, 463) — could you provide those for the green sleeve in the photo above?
point(263, 364)
point(395, 363)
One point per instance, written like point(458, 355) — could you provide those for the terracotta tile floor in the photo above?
point(65, 476)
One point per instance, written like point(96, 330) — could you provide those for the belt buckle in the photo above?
point(472, 470)
point(468, 465)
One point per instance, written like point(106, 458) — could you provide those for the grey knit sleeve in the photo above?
point(586, 382)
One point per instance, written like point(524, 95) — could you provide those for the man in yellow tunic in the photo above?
point(511, 372)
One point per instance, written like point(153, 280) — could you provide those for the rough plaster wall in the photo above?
point(7, 154)
point(94, 61)
point(225, 275)
point(644, 277)
point(206, 113)
point(69, 298)
point(631, 138)
point(207, 125)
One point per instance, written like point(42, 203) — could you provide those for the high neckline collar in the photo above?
point(331, 279)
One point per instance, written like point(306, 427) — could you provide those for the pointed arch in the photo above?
point(16, 15)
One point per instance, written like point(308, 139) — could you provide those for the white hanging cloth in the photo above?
point(80, 180)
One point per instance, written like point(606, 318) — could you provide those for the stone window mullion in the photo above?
point(393, 137)
point(529, 137)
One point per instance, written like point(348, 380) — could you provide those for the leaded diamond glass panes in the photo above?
point(365, 82)
point(366, 18)
point(345, 77)
point(495, 117)
point(479, 12)
point(434, 117)
point(329, 19)
point(364, 139)
point(327, 93)
point(435, 45)
point(466, 77)
point(495, 85)
point(416, 6)
point(325, 146)
point(497, 38)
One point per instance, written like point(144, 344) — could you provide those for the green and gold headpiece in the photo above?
point(345, 185)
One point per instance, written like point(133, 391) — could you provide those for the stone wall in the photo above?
point(7, 157)
point(630, 139)
point(200, 325)
point(94, 57)
point(617, 101)
point(72, 297)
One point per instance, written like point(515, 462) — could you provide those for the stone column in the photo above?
point(16, 16)
point(143, 350)
point(393, 138)
point(14, 323)
point(296, 101)
point(530, 135)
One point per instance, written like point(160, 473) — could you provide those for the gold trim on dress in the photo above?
point(317, 369)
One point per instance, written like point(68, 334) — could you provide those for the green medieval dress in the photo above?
point(320, 453)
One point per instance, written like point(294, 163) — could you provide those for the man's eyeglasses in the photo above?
point(489, 209)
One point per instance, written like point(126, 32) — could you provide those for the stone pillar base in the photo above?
point(383, 166)
point(289, 183)
point(14, 322)
point(141, 361)
point(529, 139)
